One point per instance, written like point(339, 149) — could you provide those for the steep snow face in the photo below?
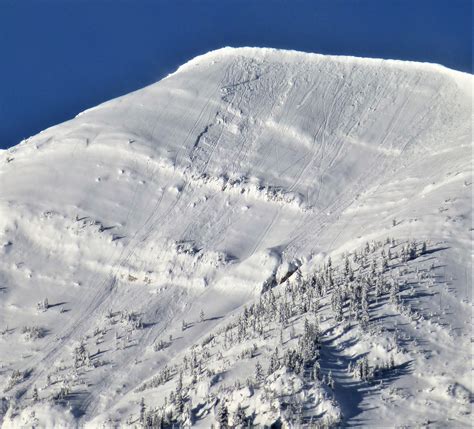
point(202, 190)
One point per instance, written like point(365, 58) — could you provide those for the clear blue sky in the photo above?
point(58, 57)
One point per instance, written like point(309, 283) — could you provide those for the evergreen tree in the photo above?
point(148, 421)
point(81, 355)
point(179, 403)
point(316, 371)
point(330, 380)
point(337, 305)
point(392, 362)
point(239, 417)
point(403, 254)
point(259, 376)
point(367, 248)
point(363, 369)
point(423, 248)
point(347, 266)
point(355, 257)
point(142, 411)
point(179, 384)
point(35, 394)
point(186, 419)
point(223, 416)
point(350, 368)
point(394, 292)
point(274, 363)
point(412, 251)
point(373, 267)
point(378, 287)
point(364, 315)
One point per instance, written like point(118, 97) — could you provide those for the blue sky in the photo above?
point(59, 57)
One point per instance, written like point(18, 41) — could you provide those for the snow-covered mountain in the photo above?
point(263, 237)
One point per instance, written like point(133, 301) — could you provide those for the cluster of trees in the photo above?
point(33, 332)
point(81, 356)
point(42, 305)
point(290, 314)
point(362, 279)
point(131, 319)
point(16, 377)
point(356, 287)
point(363, 371)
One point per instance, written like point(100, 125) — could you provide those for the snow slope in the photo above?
point(205, 189)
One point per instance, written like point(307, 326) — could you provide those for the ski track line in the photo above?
point(264, 233)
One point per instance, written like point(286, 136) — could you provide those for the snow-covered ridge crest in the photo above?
point(463, 78)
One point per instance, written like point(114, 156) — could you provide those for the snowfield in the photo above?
point(262, 237)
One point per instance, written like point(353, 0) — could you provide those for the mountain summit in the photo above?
point(262, 237)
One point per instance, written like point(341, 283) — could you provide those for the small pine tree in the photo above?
point(331, 380)
point(142, 411)
point(367, 248)
point(373, 267)
point(81, 355)
point(179, 383)
point(180, 403)
point(223, 416)
point(148, 421)
point(35, 394)
point(355, 257)
point(316, 371)
point(43, 305)
point(392, 362)
point(201, 316)
point(423, 248)
point(186, 417)
point(259, 376)
point(239, 417)
point(394, 292)
point(363, 369)
point(272, 366)
point(347, 266)
point(412, 251)
point(337, 305)
point(366, 368)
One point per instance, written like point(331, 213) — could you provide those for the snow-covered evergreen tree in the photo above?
point(222, 416)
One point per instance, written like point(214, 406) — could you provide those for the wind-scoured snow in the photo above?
point(241, 172)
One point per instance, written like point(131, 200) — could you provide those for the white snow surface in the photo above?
point(195, 192)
